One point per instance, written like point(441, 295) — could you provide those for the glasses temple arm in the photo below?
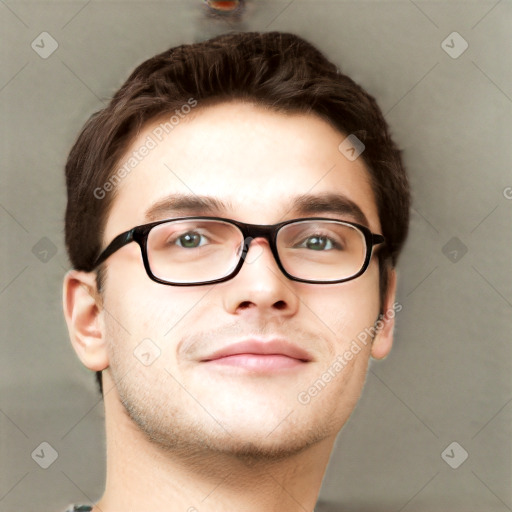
point(116, 244)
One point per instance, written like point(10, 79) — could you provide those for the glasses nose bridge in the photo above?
point(252, 231)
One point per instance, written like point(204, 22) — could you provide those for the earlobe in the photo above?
point(385, 324)
point(84, 318)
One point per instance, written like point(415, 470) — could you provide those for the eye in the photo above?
point(319, 243)
point(191, 240)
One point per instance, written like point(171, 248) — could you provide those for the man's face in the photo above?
point(255, 163)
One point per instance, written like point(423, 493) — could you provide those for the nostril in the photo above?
point(280, 305)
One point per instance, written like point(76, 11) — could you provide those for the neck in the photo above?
point(143, 476)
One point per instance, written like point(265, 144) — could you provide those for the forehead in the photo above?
point(256, 164)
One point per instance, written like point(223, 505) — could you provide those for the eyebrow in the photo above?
point(184, 204)
point(303, 205)
point(337, 204)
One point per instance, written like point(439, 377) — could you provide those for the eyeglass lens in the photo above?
point(197, 250)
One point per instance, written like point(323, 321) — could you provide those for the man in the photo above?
point(234, 218)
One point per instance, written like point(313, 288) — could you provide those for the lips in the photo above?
point(278, 350)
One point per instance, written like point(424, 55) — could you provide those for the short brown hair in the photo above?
point(280, 71)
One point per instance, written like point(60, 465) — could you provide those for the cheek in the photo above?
point(138, 309)
point(345, 310)
point(143, 326)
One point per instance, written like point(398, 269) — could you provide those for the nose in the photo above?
point(260, 288)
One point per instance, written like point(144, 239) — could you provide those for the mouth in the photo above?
point(260, 356)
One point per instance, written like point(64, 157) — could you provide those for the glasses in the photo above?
point(194, 251)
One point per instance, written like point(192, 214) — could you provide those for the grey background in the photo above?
point(448, 377)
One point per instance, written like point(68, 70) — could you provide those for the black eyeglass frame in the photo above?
point(249, 232)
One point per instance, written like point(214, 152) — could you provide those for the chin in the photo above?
point(245, 444)
point(256, 449)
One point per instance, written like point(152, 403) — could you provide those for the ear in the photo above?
point(83, 312)
point(386, 322)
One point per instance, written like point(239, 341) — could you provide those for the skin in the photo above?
point(184, 436)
